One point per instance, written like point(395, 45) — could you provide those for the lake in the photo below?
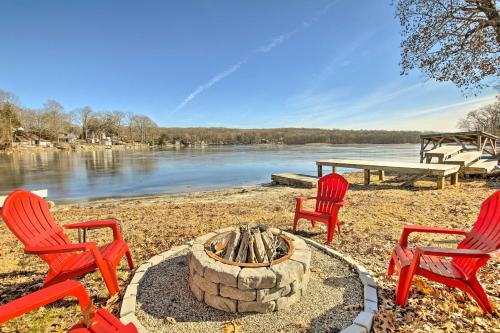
point(84, 176)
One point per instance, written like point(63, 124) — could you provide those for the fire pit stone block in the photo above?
point(256, 307)
point(218, 272)
point(205, 285)
point(303, 256)
point(299, 244)
point(285, 302)
point(198, 261)
point(256, 278)
point(238, 294)
point(221, 303)
point(267, 295)
point(287, 272)
point(197, 292)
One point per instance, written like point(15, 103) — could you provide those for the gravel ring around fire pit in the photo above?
point(338, 290)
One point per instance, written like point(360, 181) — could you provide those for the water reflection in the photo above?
point(80, 176)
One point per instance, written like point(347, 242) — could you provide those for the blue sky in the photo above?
point(301, 63)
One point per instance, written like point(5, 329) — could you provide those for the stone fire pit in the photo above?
point(231, 286)
point(341, 296)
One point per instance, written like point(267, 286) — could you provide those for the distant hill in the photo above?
point(220, 135)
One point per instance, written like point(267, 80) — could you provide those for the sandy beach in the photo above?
point(371, 225)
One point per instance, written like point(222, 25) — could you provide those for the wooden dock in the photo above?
point(296, 180)
point(440, 171)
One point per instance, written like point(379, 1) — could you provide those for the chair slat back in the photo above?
point(331, 189)
point(484, 236)
point(28, 217)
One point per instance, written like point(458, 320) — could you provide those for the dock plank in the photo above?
point(481, 167)
point(443, 152)
point(293, 179)
point(464, 159)
point(403, 167)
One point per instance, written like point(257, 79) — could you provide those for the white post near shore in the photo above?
point(41, 193)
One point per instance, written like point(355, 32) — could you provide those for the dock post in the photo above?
point(454, 178)
point(334, 169)
point(320, 170)
point(381, 175)
point(367, 176)
point(440, 182)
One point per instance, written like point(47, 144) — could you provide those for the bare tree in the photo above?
point(451, 40)
point(145, 128)
point(8, 97)
point(8, 116)
point(113, 122)
point(82, 117)
point(33, 120)
point(129, 121)
point(485, 119)
point(57, 119)
point(8, 122)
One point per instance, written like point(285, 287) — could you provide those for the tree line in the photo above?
point(219, 135)
point(52, 121)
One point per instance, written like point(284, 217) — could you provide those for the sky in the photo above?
point(248, 64)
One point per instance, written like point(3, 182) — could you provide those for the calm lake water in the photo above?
point(84, 176)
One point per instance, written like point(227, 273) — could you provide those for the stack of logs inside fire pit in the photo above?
point(251, 243)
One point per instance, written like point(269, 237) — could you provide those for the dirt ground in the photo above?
point(371, 225)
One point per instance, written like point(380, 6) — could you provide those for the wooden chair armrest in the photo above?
point(408, 229)
point(46, 296)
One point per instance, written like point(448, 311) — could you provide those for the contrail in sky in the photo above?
point(263, 49)
point(210, 83)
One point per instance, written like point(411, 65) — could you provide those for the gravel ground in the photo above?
point(330, 304)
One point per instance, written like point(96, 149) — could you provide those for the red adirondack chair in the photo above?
point(100, 321)
point(28, 217)
point(479, 245)
point(331, 191)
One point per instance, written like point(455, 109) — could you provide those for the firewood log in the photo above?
point(243, 250)
point(259, 249)
point(232, 246)
point(269, 245)
point(251, 254)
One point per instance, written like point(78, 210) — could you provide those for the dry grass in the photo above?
point(371, 226)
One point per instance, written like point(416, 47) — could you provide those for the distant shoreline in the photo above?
point(145, 147)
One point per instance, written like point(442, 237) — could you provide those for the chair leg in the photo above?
point(109, 277)
point(295, 222)
point(114, 277)
point(404, 284)
point(477, 292)
point(390, 270)
point(338, 228)
point(129, 259)
point(331, 230)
